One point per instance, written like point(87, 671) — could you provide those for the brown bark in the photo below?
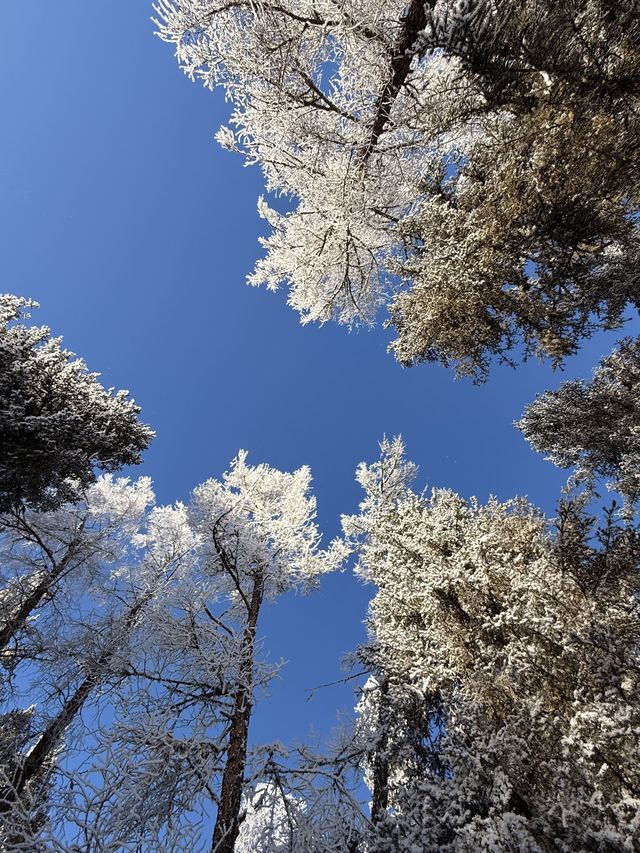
point(413, 23)
point(227, 826)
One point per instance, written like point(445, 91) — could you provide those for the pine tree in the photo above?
point(594, 426)
point(57, 423)
point(509, 646)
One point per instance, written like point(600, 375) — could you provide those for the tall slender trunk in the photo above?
point(36, 761)
point(380, 793)
point(18, 620)
point(415, 20)
point(227, 826)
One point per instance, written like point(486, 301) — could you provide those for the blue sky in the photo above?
point(135, 232)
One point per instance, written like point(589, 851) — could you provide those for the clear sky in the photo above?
point(135, 231)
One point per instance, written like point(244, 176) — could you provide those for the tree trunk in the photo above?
point(33, 600)
point(227, 825)
point(380, 793)
point(36, 760)
point(414, 21)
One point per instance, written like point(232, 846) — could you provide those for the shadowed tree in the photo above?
point(57, 423)
point(594, 426)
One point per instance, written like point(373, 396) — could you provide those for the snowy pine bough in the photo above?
point(594, 427)
point(57, 422)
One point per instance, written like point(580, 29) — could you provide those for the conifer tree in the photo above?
point(57, 423)
point(509, 646)
point(594, 426)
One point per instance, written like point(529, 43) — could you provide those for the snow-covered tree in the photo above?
point(510, 653)
point(98, 623)
point(269, 821)
point(262, 541)
point(57, 423)
point(180, 744)
point(19, 828)
point(50, 558)
point(594, 426)
point(307, 801)
point(273, 820)
point(470, 164)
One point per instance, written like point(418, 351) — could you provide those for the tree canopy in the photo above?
point(469, 164)
point(505, 713)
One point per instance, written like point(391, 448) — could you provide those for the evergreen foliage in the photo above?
point(57, 423)
point(594, 426)
point(471, 165)
point(508, 648)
